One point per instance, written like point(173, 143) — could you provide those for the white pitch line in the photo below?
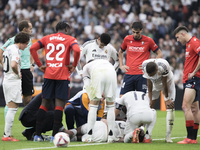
point(56, 147)
point(91, 144)
point(172, 138)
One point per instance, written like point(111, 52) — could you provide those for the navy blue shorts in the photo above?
point(133, 83)
point(55, 89)
point(194, 83)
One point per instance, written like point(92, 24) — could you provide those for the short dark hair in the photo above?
point(137, 25)
point(22, 37)
point(105, 38)
point(61, 26)
point(179, 28)
point(151, 67)
point(23, 24)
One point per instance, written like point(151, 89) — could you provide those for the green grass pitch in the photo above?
point(158, 135)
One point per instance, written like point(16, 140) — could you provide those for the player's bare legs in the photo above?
point(188, 98)
point(26, 99)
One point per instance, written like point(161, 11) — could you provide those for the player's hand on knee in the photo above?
point(169, 104)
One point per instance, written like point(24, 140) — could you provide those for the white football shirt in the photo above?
point(12, 53)
point(91, 51)
point(163, 71)
point(135, 101)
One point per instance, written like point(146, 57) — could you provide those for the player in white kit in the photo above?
point(160, 78)
point(100, 131)
point(99, 78)
point(99, 49)
point(12, 81)
point(138, 113)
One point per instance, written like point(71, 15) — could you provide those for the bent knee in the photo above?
point(185, 108)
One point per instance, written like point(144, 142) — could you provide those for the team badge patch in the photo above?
point(106, 51)
point(189, 46)
point(142, 42)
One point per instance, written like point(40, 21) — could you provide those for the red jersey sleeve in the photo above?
point(153, 46)
point(33, 50)
point(124, 44)
point(196, 46)
point(77, 52)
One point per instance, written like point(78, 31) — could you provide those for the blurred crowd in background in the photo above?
point(89, 18)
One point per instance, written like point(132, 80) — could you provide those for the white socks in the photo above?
point(170, 120)
point(5, 111)
point(92, 115)
point(9, 121)
point(110, 117)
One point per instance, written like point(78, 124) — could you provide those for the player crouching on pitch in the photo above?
point(138, 113)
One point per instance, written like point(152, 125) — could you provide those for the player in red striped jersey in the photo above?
point(191, 83)
point(57, 71)
point(138, 49)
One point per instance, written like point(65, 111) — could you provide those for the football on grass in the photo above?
point(61, 139)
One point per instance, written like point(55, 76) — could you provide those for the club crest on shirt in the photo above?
point(106, 51)
point(189, 46)
point(130, 41)
point(142, 42)
point(187, 54)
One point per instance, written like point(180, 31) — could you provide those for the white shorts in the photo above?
point(104, 80)
point(145, 117)
point(100, 132)
point(12, 91)
point(171, 91)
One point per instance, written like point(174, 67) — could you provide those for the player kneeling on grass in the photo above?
point(12, 81)
point(160, 77)
point(28, 119)
point(138, 113)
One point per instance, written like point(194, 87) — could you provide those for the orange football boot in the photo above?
point(9, 139)
point(136, 135)
point(186, 141)
point(147, 140)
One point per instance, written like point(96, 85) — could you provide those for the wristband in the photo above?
point(33, 65)
point(166, 98)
